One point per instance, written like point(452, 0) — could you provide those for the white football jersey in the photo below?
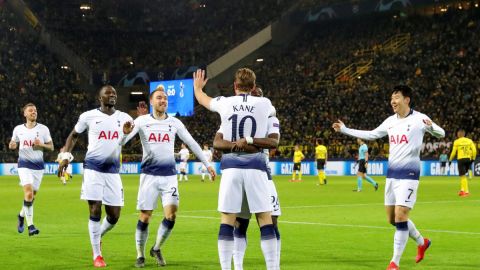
point(27, 157)
point(104, 134)
point(184, 155)
point(405, 137)
point(243, 116)
point(208, 154)
point(273, 128)
point(158, 141)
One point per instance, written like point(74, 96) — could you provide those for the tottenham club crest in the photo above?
point(181, 89)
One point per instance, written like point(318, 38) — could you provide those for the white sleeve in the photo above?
point(46, 135)
point(136, 129)
point(273, 125)
point(273, 111)
point(435, 129)
point(15, 137)
point(216, 104)
point(380, 131)
point(82, 123)
point(192, 144)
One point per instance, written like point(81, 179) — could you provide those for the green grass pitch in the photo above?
point(322, 227)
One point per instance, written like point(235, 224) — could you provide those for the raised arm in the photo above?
point(199, 81)
point(433, 129)
point(130, 129)
point(380, 131)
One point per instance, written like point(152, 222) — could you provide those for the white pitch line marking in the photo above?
point(344, 225)
point(339, 205)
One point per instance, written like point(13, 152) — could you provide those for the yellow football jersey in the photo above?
point(321, 152)
point(464, 148)
point(298, 156)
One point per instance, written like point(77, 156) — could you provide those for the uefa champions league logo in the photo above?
point(477, 169)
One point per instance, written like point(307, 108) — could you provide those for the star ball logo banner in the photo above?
point(180, 96)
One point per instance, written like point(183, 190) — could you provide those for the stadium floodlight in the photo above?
point(136, 93)
point(259, 59)
point(85, 7)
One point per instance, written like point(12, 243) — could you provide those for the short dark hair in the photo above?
point(404, 89)
point(319, 141)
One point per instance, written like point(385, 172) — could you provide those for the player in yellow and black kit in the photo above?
point(466, 153)
point(321, 156)
point(297, 164)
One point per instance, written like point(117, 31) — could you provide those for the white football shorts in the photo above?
point(30, 177)
point(401, 192)
point(183, 166)
point(153, 187)
point(236, 184)
point(274, 201)
point(105, 187)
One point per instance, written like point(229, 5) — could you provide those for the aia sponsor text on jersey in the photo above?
point(398, 139)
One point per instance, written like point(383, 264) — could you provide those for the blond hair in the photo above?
point(160, 87)
point(245, 79)
point(28, 105)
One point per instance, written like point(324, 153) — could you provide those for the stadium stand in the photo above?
point(309, 82)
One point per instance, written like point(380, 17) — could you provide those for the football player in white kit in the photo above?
point(101, 178)
point(32, 138)
point(209, 156)
point(244, 122)
point(243, 218)
point(158, 178)
point(184, 156)
point(405, 130)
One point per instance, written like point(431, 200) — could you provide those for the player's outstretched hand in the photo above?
point(212, 172)
point(142, 108)
point(128, 127)
point(12, 145)
point(337, 126)
point(62, 167)
point(199, 79)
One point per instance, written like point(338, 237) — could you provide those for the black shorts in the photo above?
point(296, 166)
point(361, 166)
point(443, 164)
point(320, 164)
point(463, 166)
